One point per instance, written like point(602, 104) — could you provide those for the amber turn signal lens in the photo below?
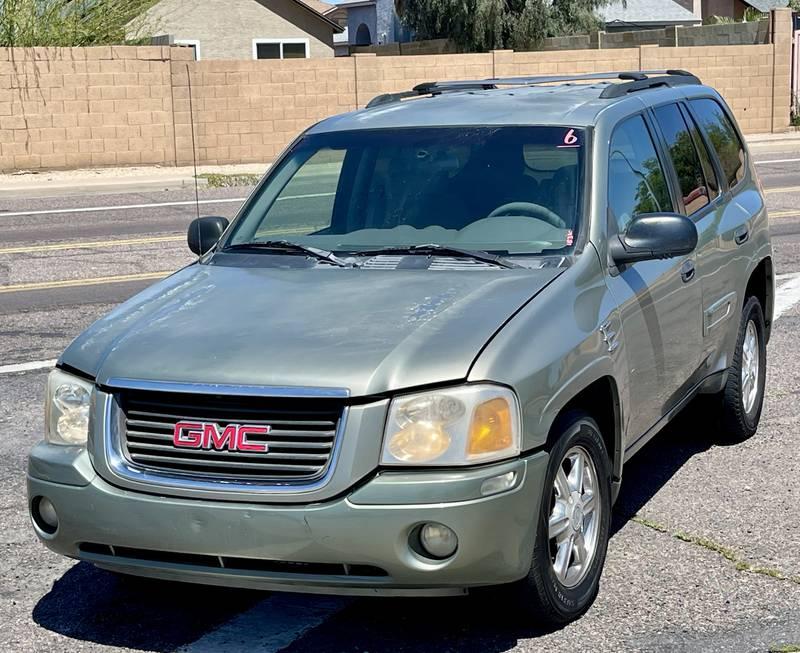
point(491, 428)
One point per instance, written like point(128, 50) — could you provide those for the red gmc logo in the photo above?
point(205, 435)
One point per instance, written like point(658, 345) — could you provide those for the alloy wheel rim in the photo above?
point(574, 522)
point(750, 367)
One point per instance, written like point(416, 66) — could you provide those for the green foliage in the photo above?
point(479, 25)
point(69, 23)
point(751, 15)
point(219, 180)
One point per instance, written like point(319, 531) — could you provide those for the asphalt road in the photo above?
point(704, 556)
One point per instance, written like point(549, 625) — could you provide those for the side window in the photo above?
point(712, 183)
point(636, 180)
point(723, 137)
point(684, 157)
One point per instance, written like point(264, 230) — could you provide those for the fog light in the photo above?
point(438, 541)
point(44, 514)
point(498, 483)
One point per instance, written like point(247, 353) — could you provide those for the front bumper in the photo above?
point(334, 546)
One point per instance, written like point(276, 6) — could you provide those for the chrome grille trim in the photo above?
point(221, 470)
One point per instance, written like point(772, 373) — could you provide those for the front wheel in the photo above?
point(572, 526)
point(742, 398)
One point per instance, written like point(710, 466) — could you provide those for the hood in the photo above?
point(367, 331)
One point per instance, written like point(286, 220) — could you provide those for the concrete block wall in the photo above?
point(89, 107)
point(247, 111)
point(743, 74)
point(85, 107)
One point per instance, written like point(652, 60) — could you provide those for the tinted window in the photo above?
point(684, 157)
point(506, 189)
point(636, 180)
point(723, 138)
point(712, 183)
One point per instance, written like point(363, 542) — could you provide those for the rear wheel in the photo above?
point(572, 526)
point(743, 396)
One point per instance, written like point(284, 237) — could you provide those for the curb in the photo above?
point(62, 183)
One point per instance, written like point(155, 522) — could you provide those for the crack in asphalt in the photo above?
point(731, 555)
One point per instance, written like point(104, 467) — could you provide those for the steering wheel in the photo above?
point(531, 210)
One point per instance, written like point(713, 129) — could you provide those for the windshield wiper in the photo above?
point(287, 246)
point(443, 250)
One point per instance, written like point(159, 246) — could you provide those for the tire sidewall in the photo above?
point(569, 603)
point(752, 312)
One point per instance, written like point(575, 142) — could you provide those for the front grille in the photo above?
point(300, 442)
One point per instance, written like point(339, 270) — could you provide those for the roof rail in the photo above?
point(635, 80)
point(429, 88)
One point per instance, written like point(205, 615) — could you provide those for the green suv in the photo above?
point(418, 360)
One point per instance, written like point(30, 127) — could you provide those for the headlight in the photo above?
point(454, 426)
point(67, 403)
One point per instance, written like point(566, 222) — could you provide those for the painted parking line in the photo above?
point(776, 161)
point(782, 189)
point(122, 207)
point(787, 295)
point(94, 244)
point(270, 625)
point(27, 367)
point(72, 283)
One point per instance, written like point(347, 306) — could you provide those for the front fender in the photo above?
point(558, 345)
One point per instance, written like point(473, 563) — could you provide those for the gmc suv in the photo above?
point(419, 358)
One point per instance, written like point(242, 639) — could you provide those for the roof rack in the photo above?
point(632, 81)
point(431, 88)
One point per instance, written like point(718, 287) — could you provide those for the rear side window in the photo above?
point(685, 157)
point(636, 180)
point(723, 138)
point(712, 182)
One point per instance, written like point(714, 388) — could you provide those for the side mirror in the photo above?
point(654, 236)
point(204, 233)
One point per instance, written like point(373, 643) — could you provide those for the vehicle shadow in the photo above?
point(478, 623)
point(93, 605)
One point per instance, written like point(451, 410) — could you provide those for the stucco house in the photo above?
point(245, 29)
point(736, 9)
point(645, 14)
point(373, 22)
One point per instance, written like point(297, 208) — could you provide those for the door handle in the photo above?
point(687, 271)
point(741, 235)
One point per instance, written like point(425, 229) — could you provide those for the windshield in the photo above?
point(509, 190)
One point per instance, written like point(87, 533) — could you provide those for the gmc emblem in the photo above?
point(207, 435)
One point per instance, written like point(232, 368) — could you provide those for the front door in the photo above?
point(660, 301)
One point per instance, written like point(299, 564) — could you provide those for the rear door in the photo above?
point(727, 233)
point(659, 300)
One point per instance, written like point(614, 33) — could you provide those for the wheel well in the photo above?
point(760, 286)
point(600, 400)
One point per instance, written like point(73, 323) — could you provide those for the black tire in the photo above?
point(737, 424)
point(540, 595)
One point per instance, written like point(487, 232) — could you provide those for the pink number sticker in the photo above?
point(570, 138)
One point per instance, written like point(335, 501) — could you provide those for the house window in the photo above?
point(192, 43)
point(280, 49)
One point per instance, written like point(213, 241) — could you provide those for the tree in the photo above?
point(67, 23)
point(495, 24)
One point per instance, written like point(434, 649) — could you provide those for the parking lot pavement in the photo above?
point(704, 555)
